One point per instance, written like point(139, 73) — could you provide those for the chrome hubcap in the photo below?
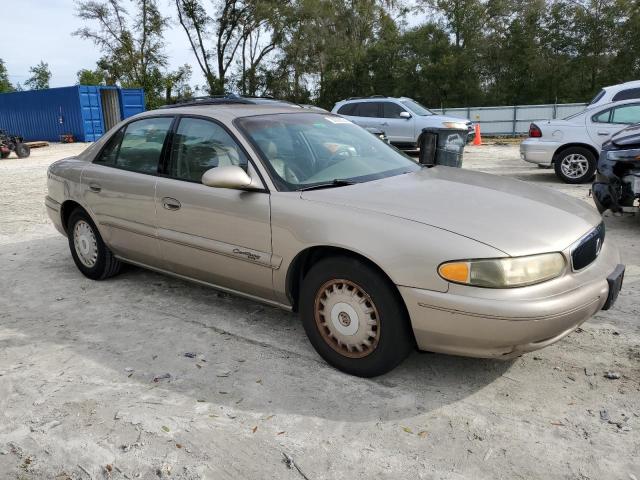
point(347, 318)
point(574, 165)
point(84, 241)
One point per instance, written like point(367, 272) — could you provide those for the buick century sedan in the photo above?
point(308, 212)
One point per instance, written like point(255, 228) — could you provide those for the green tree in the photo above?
point(132, 45)
point(40, 77)
point(92, 77)
point(5, 84)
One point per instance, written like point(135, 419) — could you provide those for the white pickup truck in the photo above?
point(572, 145)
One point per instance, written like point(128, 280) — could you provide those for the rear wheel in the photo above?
point(22, 150)
point(575, 165)
point(354, 317)
point(92, 257)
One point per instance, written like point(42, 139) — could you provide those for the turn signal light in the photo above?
point(455, 272)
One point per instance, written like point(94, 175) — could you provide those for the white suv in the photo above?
point(402, 119)
point(572, 145)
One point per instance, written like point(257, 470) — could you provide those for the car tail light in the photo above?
point(534, 131)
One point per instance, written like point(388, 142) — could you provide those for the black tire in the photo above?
point(106, 264)
point(576, 152)
point(22, 150)
point(394, 337)
point(4, 155)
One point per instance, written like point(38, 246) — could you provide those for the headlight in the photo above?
point(506, 272)
point(456, 125)
point(633, 154)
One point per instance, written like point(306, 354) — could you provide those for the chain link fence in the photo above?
point(511, 120)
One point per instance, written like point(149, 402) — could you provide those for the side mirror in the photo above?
point(230, 176)
point(406, 115)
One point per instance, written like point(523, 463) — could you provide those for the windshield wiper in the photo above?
point(336, 182)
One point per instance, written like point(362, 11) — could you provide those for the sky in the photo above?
point(41, 30)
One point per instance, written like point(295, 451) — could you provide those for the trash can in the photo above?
point(442, 146)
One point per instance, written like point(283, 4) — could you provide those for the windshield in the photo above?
point(306, 149)
point(416, 108)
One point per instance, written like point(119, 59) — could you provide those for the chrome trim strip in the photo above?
point(498, 317)
point(248, 296)
point(237, 252)
point(51, 203)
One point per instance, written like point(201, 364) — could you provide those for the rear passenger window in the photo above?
point(367, 109)
point(602, 117)
point(142, 144)
point(347, 109)
point(110, 151)
point(628, 94)
point(199, 145)
point(626, 114)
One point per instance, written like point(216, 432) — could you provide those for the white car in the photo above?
point(572, 145)
point(617, 93)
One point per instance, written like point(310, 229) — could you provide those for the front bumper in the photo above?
point(533, 150)
point(504, 323)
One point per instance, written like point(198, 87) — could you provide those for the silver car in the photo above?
point(401, 118)
point(308, 212)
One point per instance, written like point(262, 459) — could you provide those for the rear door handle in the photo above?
point(602, 132)
point(171, 203)
point(94, 187)
point(385, 124)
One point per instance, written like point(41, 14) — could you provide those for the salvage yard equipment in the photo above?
point(13, 143)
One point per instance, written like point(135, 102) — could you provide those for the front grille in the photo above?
point(587, 248)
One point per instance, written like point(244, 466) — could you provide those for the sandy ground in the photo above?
point(84, 390)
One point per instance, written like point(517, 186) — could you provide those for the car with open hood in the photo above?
point(308, 212)
point(617, 183)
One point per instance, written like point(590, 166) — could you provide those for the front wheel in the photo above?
point(354, 317)
point(92, 257)
point(575, 165)
point(22, 150)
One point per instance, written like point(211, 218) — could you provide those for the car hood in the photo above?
point(509, 215)
point(627, 137)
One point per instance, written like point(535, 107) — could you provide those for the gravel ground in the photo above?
point(146, 376)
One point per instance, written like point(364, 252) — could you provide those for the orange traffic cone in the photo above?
point(477, 139)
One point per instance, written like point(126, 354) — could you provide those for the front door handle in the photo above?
point(171, 203)
point(602, 132)
point(385, 124)
point(94, 187)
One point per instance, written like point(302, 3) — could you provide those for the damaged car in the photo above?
point(305, 211)
point(617, 183)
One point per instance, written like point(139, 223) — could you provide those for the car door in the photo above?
point(119, 188)
point(216, 235)
point(397, 128)
point(603, 124)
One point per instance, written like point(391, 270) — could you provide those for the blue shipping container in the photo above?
point(86, 112)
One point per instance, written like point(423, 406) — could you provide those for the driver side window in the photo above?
point(199, 145)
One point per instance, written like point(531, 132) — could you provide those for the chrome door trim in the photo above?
point(237, 252)
point(238, 293)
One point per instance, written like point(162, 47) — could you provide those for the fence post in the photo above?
point(515, 118)
point(555, 111)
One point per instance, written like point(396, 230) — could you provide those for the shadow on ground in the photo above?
point(249, 357)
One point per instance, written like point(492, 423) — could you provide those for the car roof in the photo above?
point(230, 111)
point(622, 86)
